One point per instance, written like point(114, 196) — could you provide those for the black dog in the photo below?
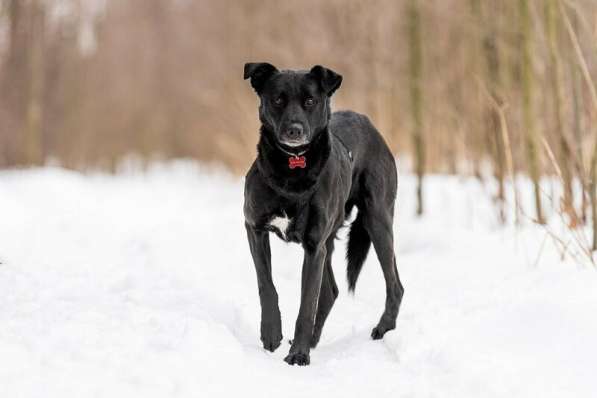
point(312, 168)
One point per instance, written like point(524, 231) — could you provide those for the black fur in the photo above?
point(348, 165)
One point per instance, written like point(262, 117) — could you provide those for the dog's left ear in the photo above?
point(259, 72)
point(328, 79)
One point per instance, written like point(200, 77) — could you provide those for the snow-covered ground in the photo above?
point(141, 285)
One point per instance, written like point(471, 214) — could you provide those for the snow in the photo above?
point(142, 284)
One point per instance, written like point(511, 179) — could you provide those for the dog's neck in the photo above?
point(273, 164)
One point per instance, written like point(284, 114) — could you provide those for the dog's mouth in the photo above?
point(294, 143)
point(293, 148)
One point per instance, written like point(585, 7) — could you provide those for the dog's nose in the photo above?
point(295, 131)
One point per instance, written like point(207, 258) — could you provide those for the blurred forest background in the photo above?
point(478, 87)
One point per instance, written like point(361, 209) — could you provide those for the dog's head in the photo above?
point(295, 105)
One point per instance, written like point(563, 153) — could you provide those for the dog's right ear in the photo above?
point(259, 72)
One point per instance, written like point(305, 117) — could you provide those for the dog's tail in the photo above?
point(358, 246)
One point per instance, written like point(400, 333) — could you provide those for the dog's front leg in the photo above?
point(271, 324)
point(310, 287)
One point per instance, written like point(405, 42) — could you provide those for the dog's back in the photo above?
point(370, 154)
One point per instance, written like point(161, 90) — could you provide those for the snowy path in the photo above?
point(142, 285)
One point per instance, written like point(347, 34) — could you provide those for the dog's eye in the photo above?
point(309, 102)
point(279, 101)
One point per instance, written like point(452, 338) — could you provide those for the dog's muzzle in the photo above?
point(294, 135)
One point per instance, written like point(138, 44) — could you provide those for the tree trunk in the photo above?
point(32, 136)
point(527, 76)
point(565, 153)
point(593, 194)
point(493, 82)
point(12, 84)
point(415, 71)
point(578, 128)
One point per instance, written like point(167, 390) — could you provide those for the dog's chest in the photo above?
point(280, 224)
point(288, 224)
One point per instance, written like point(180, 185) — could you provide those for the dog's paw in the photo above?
point(379, 331)
point(271, 345)
point(298, 358)
point(271, 337)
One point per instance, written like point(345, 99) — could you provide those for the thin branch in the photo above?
point(579, 54)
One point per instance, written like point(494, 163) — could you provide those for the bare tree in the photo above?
point(552, 23)
point(32, 133)
point(487, 23)
point(416, 96)
point(530, 131)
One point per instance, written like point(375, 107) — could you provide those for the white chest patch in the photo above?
point(281, 224)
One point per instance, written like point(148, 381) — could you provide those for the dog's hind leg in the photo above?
point(327, 296)
point(378, 223)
